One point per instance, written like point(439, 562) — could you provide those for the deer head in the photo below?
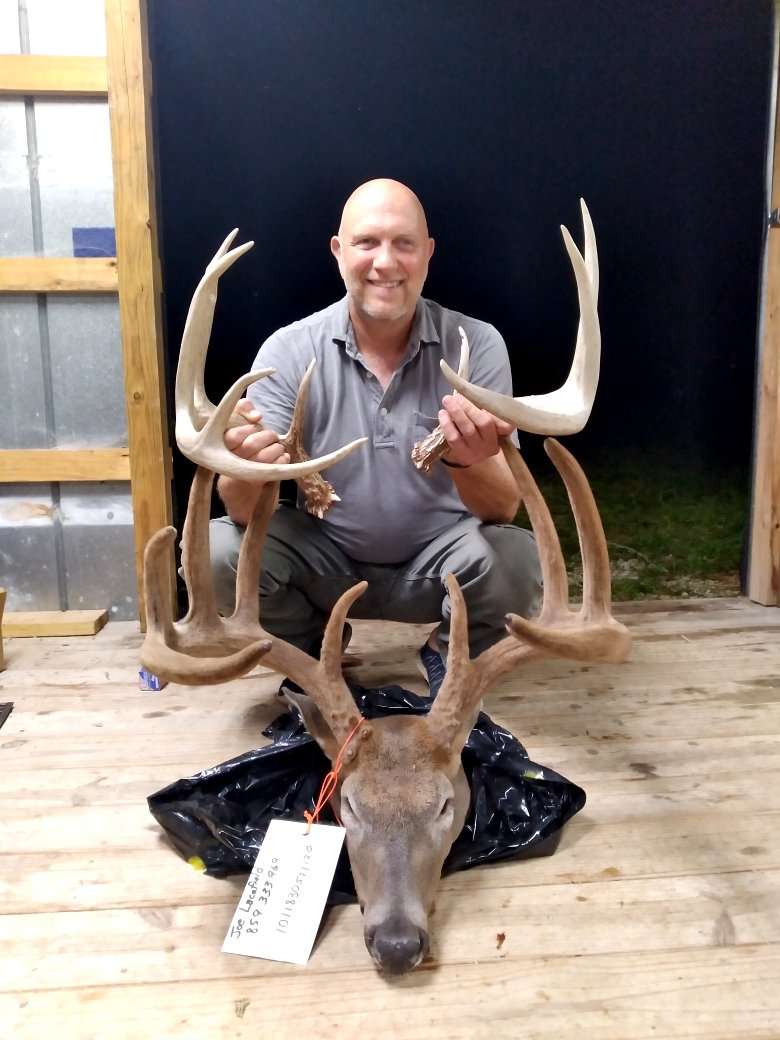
point(402, 795)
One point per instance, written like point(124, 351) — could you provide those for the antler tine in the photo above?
point(567, 409)
point(195, 560)
point(250, 557)
point(159, 611)
point(330, 654)
point(434, 446)
point(596, 585)
point(449, 712)
point(555, 582)
point(193, 408)
point(293, 439)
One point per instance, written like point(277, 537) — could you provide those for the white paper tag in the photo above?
point(284, 899)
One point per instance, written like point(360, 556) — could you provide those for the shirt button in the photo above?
point(383, 411)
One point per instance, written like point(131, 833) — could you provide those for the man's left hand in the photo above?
point(471, 433)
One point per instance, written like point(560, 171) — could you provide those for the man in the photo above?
point(378, 375)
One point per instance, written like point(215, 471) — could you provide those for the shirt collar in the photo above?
point(424, 330)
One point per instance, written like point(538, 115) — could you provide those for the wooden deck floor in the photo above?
point(658, 916)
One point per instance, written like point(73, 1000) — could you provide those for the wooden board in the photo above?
point(763, 580)
point(52, 76)
point(657, 917)
point(36, 465)
point(24, 623)
point(77, 274)
point(140, 286)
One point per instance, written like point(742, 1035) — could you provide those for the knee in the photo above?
point(512, 569)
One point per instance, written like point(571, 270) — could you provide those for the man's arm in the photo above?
point(479, 470)
point(238, 496)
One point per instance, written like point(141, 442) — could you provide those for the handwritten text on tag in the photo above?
point(283, 900)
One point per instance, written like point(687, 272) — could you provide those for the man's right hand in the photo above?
point(249, 442)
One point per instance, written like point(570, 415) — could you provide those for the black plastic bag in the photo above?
point(220, 815)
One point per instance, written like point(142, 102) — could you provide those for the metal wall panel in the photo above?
point(67, 27)
point(28, 562)
point(75, 175)
point(22, 409)
point(9, 27)
point(16, 234)
point(86, 372)
point(97, 524)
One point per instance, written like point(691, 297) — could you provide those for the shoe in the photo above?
point(432, 668)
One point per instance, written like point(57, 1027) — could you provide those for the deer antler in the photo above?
point(590, 633)
point(565, 410)
point(200, 426)
point(206, 648)
point(434, 446)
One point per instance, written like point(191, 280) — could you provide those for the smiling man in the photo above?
point(378, 375)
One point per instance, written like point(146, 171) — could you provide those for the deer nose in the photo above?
point(397, 945)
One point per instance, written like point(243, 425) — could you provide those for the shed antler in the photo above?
point(200, 425)
point(567, 409)
point(590, 633)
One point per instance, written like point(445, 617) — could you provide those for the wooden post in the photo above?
point(129, 93)
point(2, 607)
point(763, 583)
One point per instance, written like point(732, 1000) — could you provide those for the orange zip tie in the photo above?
point(331, 780)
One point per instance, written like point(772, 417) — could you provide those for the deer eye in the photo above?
point(445, 808)
point(347, 808)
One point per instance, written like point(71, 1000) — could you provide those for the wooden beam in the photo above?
point(54, 465)
point(58, 274)
point(51, 76)
point(2, 607)
point(129, 94)
point(23, 623)
point(763, 584)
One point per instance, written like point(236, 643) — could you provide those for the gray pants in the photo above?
point(304, 573)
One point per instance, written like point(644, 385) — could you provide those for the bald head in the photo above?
point(382, 194)
point(382, 249)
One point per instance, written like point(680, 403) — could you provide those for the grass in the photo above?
point(673, 530)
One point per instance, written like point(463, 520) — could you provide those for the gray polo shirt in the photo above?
point(388, 510)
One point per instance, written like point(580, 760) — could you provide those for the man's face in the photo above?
point(383, 251)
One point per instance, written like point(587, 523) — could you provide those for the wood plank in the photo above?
point(87, 464)
point(58, 274)
point(26, 623)
point(721, 993)
point(52, 76)
point(140, 283)
point(182, 943)
point(763, 579)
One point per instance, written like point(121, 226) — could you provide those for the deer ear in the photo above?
point(313, 720)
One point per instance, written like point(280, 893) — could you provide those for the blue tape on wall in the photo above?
point(94, 241)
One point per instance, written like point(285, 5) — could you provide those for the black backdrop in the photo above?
point(500, 114)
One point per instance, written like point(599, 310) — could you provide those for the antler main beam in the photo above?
point(567, 409)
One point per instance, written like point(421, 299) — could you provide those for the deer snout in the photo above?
point(397, 945)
